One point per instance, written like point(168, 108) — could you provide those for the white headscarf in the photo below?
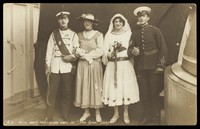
point(126, 27)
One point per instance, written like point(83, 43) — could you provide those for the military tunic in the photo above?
point(53, 54)
point(153, 50)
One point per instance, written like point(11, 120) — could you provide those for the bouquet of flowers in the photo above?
point(117, 47)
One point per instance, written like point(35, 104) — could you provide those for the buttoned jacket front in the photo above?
point(153, 50)
point(53, 54)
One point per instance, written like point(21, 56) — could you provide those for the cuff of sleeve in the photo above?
point(108, 54)
point(73, 55)
point(161, 66)
point(47, 65)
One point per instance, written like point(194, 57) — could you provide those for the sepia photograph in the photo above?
point(99, 64)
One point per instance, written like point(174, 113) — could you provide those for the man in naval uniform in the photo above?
point(150, 54)
point(59, 64)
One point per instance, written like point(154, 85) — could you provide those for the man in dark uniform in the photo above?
point(60, 56)
point(150, 54)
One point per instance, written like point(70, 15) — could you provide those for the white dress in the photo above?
point(126, 91)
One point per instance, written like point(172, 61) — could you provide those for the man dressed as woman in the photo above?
point(89, 79)
point(120, 86)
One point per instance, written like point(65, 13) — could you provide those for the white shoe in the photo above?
point(126, 119)
point(98, 117)
point(84, 117)
point(114, 119)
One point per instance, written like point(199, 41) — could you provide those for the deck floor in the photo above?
point(34, 116)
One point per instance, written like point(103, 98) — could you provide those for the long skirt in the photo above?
point(89, 80)
point(126, 91)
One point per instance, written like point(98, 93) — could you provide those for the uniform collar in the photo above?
point(88, 30)
point(63, 29)
point(145, 26)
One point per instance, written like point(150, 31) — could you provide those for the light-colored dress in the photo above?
point(89, 79)
point(127, 91)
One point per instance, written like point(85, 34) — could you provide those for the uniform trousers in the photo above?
point(149, 88)
point(63, 81)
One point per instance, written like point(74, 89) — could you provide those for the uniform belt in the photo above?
point(58, 56)
point(97, 59)
point(119, 59)
point(151, 52)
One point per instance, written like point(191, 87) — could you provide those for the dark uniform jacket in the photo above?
point(153, 50)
